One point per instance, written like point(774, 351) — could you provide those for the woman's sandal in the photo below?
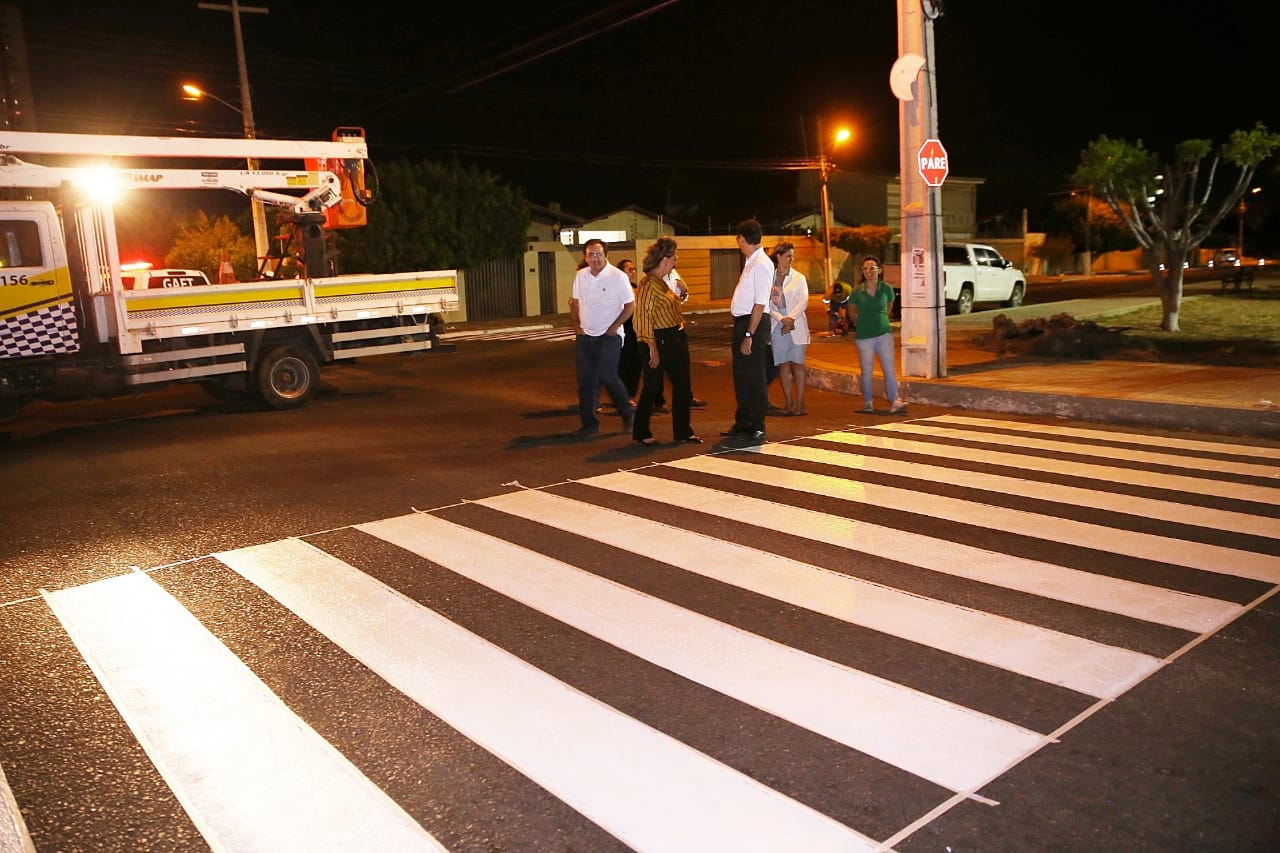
point(648, 442)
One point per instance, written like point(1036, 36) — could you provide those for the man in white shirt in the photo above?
point(601, 302)
point(750, 383)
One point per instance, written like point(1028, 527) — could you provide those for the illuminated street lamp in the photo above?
point(195, 93)
point(842, 135)
point(260, 239)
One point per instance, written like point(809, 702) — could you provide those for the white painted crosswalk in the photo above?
point(805, 646)
point(512, 334)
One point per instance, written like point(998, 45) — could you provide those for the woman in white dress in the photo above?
point(789, 327)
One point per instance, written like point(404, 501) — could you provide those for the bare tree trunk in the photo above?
point(1169, 286)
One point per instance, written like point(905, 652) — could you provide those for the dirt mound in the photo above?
point(1062, 336)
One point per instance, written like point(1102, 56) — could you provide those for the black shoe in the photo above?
point(691, 439)
point(585, 431)
point(661, 410)
point(754, 435)
point(647, 442)
point(698, 404)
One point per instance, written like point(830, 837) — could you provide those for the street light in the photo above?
point(260, 239)
point(195, 93)
point(842, 135)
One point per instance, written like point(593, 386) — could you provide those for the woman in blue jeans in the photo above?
point(871, 302)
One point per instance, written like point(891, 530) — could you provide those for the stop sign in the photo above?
point(932, 160)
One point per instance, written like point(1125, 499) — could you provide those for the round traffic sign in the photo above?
point(932, 162)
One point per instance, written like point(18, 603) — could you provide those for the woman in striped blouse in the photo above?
point(660, 329)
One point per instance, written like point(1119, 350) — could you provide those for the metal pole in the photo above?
point(261, 239)
point(826, 203)
point(1240, 234)
point(1088, 232)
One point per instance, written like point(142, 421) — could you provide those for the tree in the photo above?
point(1094, 227)
point(436, 216)
point(200, 245)
point(862, 240)
point(1165, 207)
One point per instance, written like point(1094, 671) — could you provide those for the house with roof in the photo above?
point(630, 224)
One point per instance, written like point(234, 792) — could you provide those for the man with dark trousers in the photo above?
point(601, 302)
point(750, 384)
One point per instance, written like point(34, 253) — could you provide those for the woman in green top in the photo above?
point(871, 302)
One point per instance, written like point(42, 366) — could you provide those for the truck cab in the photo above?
point(37, 316)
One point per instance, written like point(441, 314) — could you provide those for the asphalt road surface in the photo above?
point(419, 614)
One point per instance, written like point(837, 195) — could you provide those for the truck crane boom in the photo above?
point(346, 147)
point(324, 187)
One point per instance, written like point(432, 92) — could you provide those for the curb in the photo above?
point(1171, 416)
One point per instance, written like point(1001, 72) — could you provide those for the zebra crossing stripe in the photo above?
point(14, 837)
point(1100, 592)
point(512, 335)
point(1101, 451)
point(649, 790)
point(945, 743)
point(1267, 495)
point(1053, 657)
point(1147, 546)
point(1135, 505)
point(249, 772)
point(1173, 442)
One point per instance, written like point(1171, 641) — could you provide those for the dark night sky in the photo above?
point(600, 105)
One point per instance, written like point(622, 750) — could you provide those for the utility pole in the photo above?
point(1088, 232)
point(261, 239)
point(913, 80)
point(826, 202)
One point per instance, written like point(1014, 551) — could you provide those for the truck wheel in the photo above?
point(1015, 298)
point(286, 377)
point(964, 304)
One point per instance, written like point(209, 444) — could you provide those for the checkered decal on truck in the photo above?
point(47, 331)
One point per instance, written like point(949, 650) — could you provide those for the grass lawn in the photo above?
point(1230, 328)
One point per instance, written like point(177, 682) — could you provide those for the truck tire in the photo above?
point(1015, 298)
point(286, 377)
point(964, 302)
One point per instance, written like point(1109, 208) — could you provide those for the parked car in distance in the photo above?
point(974, 272)
point(1226, 258)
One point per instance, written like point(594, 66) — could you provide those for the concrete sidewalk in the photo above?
point(1230, 400)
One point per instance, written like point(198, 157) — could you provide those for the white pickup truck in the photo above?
point(977, 273)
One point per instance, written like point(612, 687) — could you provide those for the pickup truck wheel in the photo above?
point(286, 377)
point(964, 303)
point(1015, 298)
